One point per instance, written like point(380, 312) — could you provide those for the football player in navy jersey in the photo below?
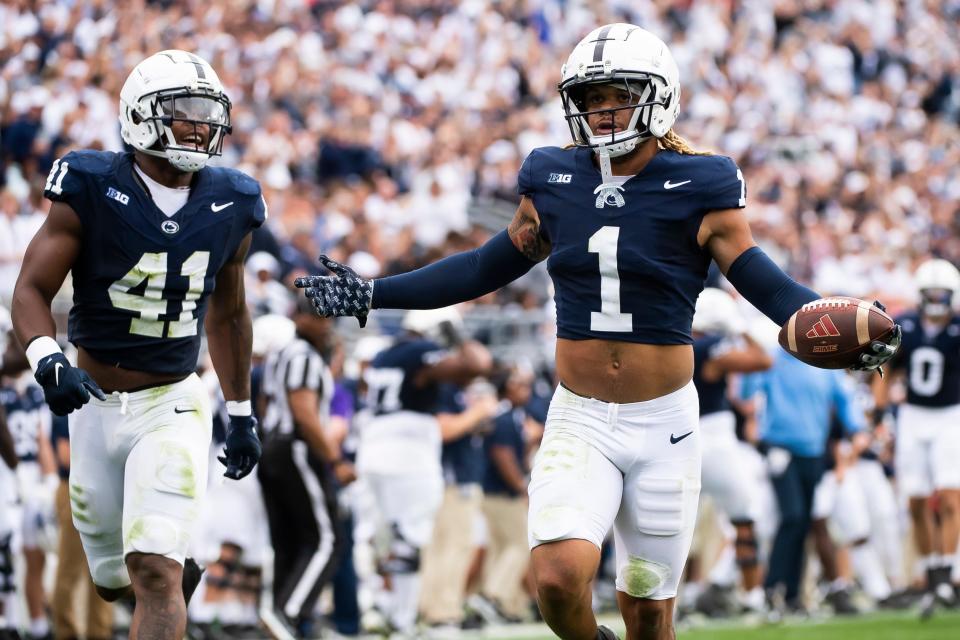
point(721, 347)
point(927, 444)
point(629, 218)
point(155, 240)
point(398, 456)
point(29, 422)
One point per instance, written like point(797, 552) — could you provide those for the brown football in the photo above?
point(831, 333)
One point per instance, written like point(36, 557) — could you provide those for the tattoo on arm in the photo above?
point(524, 231)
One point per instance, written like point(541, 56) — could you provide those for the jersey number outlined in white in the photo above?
point(151, 304)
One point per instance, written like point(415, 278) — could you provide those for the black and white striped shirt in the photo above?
point(296, 366)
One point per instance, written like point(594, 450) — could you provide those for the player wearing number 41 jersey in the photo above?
point(155, 241)
point(629, 219)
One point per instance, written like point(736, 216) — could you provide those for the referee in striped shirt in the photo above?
point(300, 470)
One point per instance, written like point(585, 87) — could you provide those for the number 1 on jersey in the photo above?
point(604, 242)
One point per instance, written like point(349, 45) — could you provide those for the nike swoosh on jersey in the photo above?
point(675, 439)
point(181, 410)
point(56, 373)
point(674, 185)
point(216, 208)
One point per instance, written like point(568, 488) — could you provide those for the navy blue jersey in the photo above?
point(390, 377)
point(713, 395)
point(463, 459)
point(931, 362)
point(28, 418)
point(142, 279)
point(633, 272)
point(507, 432)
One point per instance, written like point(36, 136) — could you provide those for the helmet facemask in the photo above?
point(936, 303)
point(647, 91)
point(202, 118)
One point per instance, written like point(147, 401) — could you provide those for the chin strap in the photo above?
point(608, 191)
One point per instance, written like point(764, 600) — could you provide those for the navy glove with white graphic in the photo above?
point(881, 351)
point(65, 387)
point(342, 294)
point(242, 450)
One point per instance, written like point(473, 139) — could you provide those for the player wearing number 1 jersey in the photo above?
point(155, 241)
point(629, 219)
point(928, 423)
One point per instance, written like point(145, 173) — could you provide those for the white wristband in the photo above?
point(239, 408)
point(40, 348)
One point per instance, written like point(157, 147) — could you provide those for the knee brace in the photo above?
point(746, 552)
point(402, 556)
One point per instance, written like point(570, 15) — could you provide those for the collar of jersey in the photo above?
point(585, 163)
point(197, 190)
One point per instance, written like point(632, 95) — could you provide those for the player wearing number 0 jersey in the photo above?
point(628, 219)
point(155, 241)
point(928, 423)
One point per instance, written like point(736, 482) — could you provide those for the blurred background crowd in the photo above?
point(389, 133)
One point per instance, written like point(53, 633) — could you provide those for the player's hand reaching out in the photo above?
point(65, 387)
point(242, 450)
point(343, 294)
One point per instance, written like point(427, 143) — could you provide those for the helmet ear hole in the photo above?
point(135, 117)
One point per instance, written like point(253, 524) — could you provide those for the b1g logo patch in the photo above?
point(170, 226)
point(560, 178)
point(113, 194)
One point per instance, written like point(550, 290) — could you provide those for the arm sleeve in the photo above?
point(457, 278)
point(758, 279)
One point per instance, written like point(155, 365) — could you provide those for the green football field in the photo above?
point(885, 626)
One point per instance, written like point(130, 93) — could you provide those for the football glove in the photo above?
point(880, 352)
point(242, 450)
point(342, 294)
point(65, 387)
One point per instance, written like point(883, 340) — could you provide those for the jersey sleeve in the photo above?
point(525, 176)
point(67, 182)
point(250, 189)
point(728, 189)
point(899, 360)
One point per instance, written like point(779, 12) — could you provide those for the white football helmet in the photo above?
point(168, 86)
point(626, 55)
point(272, 332)
point(717, 312)
point(938, 282)
point(435, 324)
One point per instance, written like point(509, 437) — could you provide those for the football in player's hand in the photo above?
point(831, 333)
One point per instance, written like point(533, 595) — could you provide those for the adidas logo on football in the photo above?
point(823, 328)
